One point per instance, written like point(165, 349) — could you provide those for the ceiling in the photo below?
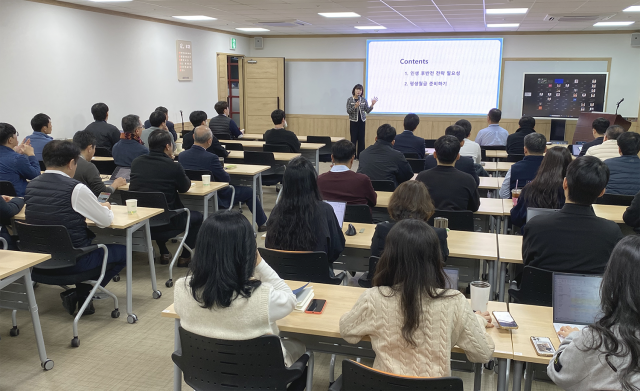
point(398, 16)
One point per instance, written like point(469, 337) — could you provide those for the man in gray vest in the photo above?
point(55, 198)
point(222, 125)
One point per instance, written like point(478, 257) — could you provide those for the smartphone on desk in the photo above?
point(103, 197)
point(316, 306)
point(505, 320)
point(543, 346)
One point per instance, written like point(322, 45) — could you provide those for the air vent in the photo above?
point(577, 18)
point(285, 23)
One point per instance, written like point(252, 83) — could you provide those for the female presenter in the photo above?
point(358, 108)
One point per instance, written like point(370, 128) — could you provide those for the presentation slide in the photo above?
point(434, 76)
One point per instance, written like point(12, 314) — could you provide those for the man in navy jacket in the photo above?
point(625, 169)
point(198, 158)
point(407, 142)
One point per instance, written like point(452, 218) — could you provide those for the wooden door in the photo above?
point(223, 82)
point(263, 91)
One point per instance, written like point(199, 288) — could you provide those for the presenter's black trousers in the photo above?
point(357, 135)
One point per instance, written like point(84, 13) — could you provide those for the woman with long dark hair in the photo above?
point(229, 292)
point(606, 354)
point(413, 321)
point(358, 108)
point(545, 190)
point(300, 221)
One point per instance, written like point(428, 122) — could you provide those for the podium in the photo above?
point(584, 130)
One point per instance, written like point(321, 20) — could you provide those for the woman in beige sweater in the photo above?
point(412, 320)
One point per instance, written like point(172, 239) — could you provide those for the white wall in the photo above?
point(60, 61)
point(624, 78)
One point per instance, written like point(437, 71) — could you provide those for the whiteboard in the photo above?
point(514, 78)
point(320, 87)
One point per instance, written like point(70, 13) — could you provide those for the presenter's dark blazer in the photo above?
point(407, 142)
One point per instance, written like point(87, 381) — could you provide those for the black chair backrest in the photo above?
point(222, 136)
point(373, 263)
point(483, 154)
point(259, 158)
point(276, 148)
point(150, 200)
point(326, 140)
point(356, 376)
point(383, 185)
point(430, 143)
point(49, 239)
point(6, 188)
point(42, 166)
point(533, 212)
point(459, 220)
point(358, 214)
point(536, 287)
point(411, 155)
point(615, 199)
point(233, 147)
point(106, 167)
point(494, 147)
point(300, 266)
point(103, 152)
point(417, 165)
point(196, 175)
point(216, 364)
point(514, 158)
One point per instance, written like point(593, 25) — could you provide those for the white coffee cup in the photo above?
point(132, 206)
point(206, 180)
point(480, 295)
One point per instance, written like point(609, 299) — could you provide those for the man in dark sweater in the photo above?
point(465, 163)
point(522, 172)
point(515, 141)
point(599, 127)
point(157, 172)
point(380, 162)
point(106, 134)
point(279, 135)
point(87, 172)
point(407, 141)
point(625, 169)
point(450, 189)
point(342, 184)
point(198, 118)
point(574, 240)
point(222, 124)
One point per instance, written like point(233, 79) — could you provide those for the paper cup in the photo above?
point(132, 206)
point(480, 295)
point(206, 180)
point(221, 160)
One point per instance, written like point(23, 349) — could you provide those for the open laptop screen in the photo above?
point(339, 209)
point(576, 298)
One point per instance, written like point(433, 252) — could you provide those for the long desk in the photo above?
point(495, 154)
point(497, 167)
point(489, 183)
point(129, 223)
point(14, 266)
point(283, 157)
point(242, 171)
point(303, 139)
point(321, 333)
point(609, 212)
point(488, 206)
point(309, 150)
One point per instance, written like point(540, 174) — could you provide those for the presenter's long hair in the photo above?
point(291, 226)
point(357, 87)
point(545, 190)
point(620, 302)
point(224, 261)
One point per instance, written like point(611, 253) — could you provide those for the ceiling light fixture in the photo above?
point(194, 17)
point(251, 29)
point(339, 14)
point(370, 27)
point(498, 25)
point(605, 24)
point(633, 8)
point(109, 1)
point(498, 11)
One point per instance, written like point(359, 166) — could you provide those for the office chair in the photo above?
point(615, 199)
point(358, 214)
point(275, 148)
point(536, 288)
point(307, 266)
point(233, 146)
point(417, 165)
point(366, 278)
point(6, 188)
point(324, 152)
point(102, 152)
point(383, 185)
point(270, 177)
point(459, 220)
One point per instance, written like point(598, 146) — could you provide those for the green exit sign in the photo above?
point(232, 44)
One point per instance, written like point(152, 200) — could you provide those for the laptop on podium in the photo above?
point(576, 300)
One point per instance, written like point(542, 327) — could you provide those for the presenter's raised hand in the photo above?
point(374, 100)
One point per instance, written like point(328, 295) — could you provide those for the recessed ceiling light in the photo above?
point(370, 27)
point(109, 1)
point(506, 10)
point(339, 14)
point(633, 8)
point(194, 17)
point(251, 29)
point(503, 25)
point(604, 24)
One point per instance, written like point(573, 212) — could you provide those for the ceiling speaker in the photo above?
point(258, 43)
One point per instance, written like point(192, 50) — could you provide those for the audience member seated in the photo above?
point(412, 319)
point(199, 118)
point(222, 124)
point(169, 124)
point(598, 128)
point(300, 221)
point(574, 239)
point(464, 164)
point(157, 120)
point(609, 147)
point(380, 162)
point(493, 135)
point(407, 141)
point(604, 356)
point(157, 172)
point(515, 141)
point(469, 148)
point(18, 162)
point(9, 207)
point(55, 198)
point(539, 193)
point(450, 188)
point(342, 184)
point(279, 135)
point(523, 172)
point(198, 158)
point(106, 134)
point(131, 145)
point(87, 172)
point(411, 200)
point(625, 169)
point(230, 292)
point(631, 216)
point(42, 128)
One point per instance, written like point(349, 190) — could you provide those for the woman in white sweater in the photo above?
point(229, 292)
point(413, 321)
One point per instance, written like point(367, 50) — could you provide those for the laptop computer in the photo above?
point(120, 172)
point(576, 149)
point(576, 300)
point(339, 209)
point(453, 275)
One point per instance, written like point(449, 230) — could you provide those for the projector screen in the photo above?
point(434, 76)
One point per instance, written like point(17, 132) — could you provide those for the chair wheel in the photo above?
point(169, 283)
point(490, 365)
point(116, 278)
point(14, 332)
point(157, 294)
point(75, 342)
point(47, 365)
point(131, 319)
point(174, 241)
point(115, 313)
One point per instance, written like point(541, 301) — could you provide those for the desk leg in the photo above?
point(310, 372)
point(215, 201)
point(177, 372)
point(253, 187)
point(517, 375)
point(131, 317)
point(317, 162)
point(502, 374)
point(477, 377)
point(152, 266)
point(502, 277)
point(491, 278)
point(505, 227)
point(528, 377)
point(35, 318)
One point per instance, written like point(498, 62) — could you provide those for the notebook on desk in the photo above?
point(576, 300)
point(339, 209)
